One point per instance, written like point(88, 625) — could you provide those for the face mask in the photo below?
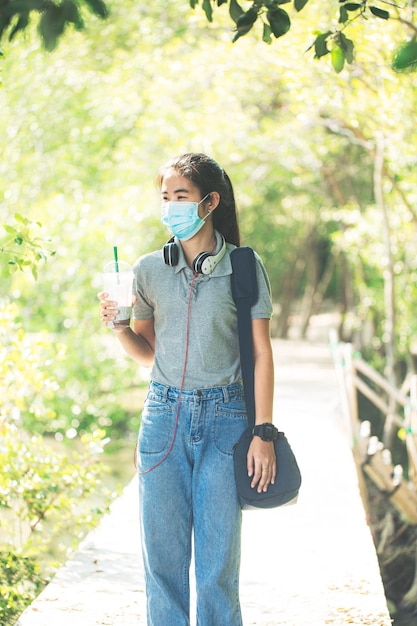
point(182, 218)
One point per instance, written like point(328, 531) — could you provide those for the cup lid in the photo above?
point(122, 266)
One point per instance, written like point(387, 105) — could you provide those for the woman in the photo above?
point(185, 327)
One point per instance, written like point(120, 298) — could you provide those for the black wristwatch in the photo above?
point(267, 431)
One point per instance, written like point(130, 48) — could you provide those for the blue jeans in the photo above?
point(191, 494)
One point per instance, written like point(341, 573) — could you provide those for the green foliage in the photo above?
point(44, 487)
point(41, 485)
point(43, 499)
point(20, 582)
point(335, 42)
point(53, 17)
point(22, 248)
point(405, 58)
point(208, 9)
point(26, 383)
point(277, 22)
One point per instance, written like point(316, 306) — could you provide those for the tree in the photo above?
point(276, 22)
point(84, 130)
point(55, 16)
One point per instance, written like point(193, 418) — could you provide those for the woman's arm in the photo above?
point(261, 455)
point(139, 342)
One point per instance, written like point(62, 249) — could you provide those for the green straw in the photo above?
point(116, 260)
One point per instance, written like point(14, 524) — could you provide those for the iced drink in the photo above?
point(118, 284)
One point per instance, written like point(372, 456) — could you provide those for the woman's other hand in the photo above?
point(262, 464)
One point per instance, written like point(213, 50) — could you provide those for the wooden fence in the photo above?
point(398, 407)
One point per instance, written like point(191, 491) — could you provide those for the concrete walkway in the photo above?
point(310, 564)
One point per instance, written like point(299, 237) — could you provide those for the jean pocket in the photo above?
point(230, 422)
point(156, 427)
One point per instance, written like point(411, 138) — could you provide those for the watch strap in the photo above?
point(266, 431)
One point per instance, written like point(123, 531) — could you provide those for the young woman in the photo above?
point(185, 327)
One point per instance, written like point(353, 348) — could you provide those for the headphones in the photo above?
point(204, 263)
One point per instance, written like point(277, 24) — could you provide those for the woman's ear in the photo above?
point(213, 200)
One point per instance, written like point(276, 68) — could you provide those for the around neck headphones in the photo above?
point(204, 263)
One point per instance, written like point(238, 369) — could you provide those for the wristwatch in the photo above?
point(267, 431)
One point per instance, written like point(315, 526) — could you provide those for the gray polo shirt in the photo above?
point(163, 293)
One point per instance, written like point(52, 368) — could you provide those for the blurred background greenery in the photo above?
point(324, 170)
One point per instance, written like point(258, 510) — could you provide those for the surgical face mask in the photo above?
point(182, 218)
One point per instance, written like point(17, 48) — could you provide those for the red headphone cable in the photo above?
point(187, 328)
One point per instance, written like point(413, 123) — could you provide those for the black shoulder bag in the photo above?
point(288, 479)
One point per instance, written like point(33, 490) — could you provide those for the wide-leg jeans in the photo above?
point(187, 491)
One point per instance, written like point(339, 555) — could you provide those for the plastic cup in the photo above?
point(118, 284)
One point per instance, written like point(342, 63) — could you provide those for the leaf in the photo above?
point(240, 32)
point(266, 34)
point(235, 10)
point(343, 15)
point(405, 58)
point(20, 25)
point(352, 6)
point(71, 14)
point(5, 23)
point(381, 13)
point(347, 47)
point(19, 218)
point(338, 58)
point(248, 18)
point(245, 22)
point(51, 26)
point(220, 2)
point(320, 45)
point(299, 4)
point(208, 9)
point(99, 7)
point(10, 229)
point(279, 21)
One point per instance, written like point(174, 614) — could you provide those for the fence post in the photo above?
point(339, 361)
point(351, 392)
point(411, 431)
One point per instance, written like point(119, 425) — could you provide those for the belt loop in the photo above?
point(162, 391)
point(225, 393)
point(166, 390)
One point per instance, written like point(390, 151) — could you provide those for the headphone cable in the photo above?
point(187, 328)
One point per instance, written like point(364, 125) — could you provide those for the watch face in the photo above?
point(268, 432)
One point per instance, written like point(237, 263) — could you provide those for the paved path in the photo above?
point(311, 564)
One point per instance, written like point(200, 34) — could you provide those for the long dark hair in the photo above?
point(208, 176)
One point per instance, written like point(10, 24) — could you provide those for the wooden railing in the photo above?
point(399, 406)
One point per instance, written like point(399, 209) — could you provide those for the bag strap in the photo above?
point(245, 294)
